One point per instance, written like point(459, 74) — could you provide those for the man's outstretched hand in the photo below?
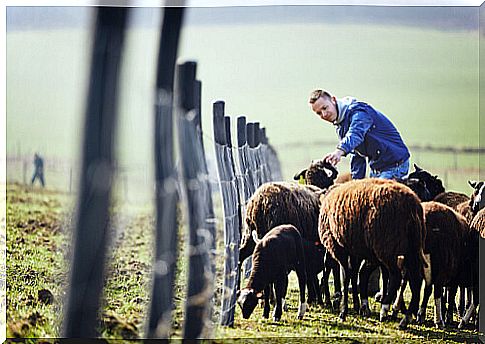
point(334, 157)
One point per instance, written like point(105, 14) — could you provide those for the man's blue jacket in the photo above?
point(364, 133)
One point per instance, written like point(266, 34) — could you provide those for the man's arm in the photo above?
point(359, 126)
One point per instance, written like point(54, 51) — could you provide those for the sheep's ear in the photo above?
point(299, 174)
point(417, 168)
point(473, 183)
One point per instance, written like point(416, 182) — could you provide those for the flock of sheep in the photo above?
point(412, 229)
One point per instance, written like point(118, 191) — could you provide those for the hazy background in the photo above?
point(418, 65)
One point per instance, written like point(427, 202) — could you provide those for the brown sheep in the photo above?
point(382, 222)
point(465, 210)
point(471, 263)
point(451, 198)
point(280, 203)
point(445, 231)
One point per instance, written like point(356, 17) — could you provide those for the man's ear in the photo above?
point(334, 100)
point(259, 295)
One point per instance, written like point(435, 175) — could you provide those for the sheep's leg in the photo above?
point(385, 281)
point(314, 294)
point(344, 276)
point(354, 274)
point(461, 302)
point(285, 291)
point(394, 283)
point(438, 317)
point(267, 291)
point(470, 310)
point(324, 288)
point(399, 302)
point(365, 270)
point(335, 268)
point(451, 304)
point(422, 310)
point(301, 274)
point(280, 286)
point(415, 282)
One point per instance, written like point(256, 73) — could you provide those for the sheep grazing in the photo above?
point(445, 230)
point(280, 203)
point(320, 173)
point(382, 222)
point(275, 204)
point(278, 252)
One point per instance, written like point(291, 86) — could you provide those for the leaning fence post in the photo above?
point(210, 220)
point(228, 187)
point(163, 275)
point(92, 218)
point(199, 286)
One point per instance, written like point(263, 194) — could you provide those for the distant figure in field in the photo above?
point(39, 169)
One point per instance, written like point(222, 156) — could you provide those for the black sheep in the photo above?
point(277, 253)
point(433, 183)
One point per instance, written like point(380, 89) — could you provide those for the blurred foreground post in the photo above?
point(92, 218)
point(166, 197)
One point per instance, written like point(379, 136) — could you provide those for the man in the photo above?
point(39, 169)
point(364, 133)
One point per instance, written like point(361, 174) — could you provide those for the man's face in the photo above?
point(326, 108)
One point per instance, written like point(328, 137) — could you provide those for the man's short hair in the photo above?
point(317, 94)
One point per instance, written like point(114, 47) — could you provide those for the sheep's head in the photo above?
point(320, 173)
point(477, 200)
point(432, 183)
point(419, 188)
point(247, 299)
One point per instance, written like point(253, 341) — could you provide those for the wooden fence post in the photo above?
point(97, 163)
point(228, 184)
point(166, 197)
point(199, 281)
point(210, 219)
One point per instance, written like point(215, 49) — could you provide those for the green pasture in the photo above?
point(38, 246)
point(425, 80)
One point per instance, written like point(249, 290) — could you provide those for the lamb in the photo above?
point(278, 252)
point(380, 221)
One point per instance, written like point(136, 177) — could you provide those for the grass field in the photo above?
point(38, 223)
